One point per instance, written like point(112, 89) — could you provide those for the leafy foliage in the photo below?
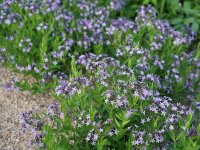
point(120, 83)
point(180, 13)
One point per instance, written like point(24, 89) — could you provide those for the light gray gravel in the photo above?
point(11, 104)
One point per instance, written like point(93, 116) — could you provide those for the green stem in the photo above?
point(162, 6)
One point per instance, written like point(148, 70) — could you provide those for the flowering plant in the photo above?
point(104, 105)
point(120, 84)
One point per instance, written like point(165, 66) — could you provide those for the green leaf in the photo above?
point(146, 2)
point(189, 20)
point(23, 85)
point(102, 143)
point(124, 123)
point(187, 5)
point(189, 121)
point(173, 136)
point(117, 123)
point(49, 136)
point(155, 123)
point(154, 2)
point(120, 116)
point(121, 134)
point(195, 26)
point(178, 26)
point(98, 48)
point(177, 21)
point(63, 143)
point(73, 68)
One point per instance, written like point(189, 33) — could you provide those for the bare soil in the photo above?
point(11, 104)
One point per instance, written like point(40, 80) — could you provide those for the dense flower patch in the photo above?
point(121, 84)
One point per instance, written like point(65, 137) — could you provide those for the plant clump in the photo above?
point(120, 83)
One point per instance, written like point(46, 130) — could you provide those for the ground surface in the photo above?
point(11, 104)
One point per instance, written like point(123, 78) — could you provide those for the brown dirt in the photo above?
point(11, 104)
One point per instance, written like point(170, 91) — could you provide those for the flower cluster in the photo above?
point(25, 45)
point(8, 16)
point(84, 28)
point(11, 84)
point(42, 26)
point(122, 98)
point(28, 121)
point(54, 111)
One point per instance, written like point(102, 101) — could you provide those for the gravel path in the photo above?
point(11, 104)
